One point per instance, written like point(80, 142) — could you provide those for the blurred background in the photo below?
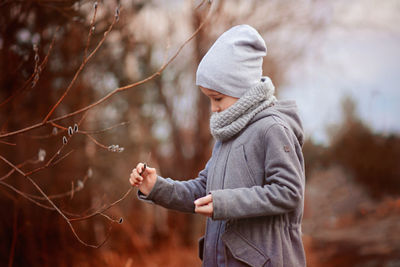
point(338, 59)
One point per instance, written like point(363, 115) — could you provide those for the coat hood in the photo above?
point(286, 111)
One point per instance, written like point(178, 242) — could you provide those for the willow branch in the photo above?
point(115, 91)
point(85, 61)
point(32, 161)
point(7, 143)
point(53, 205)
point(100, 211)
point(41, 68)
point(91, 30)
point(105, 129)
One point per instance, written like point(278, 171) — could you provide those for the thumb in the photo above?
point(150, 170)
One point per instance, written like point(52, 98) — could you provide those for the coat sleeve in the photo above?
point(283, 187)
point(177, 195)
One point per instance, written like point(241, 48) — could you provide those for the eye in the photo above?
point(217, 99)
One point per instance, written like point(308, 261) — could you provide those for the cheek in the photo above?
point(228, 103)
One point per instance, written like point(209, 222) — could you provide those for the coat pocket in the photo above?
point(201, 247)
point(242, 252)
point(238, 173)
point(246, 164)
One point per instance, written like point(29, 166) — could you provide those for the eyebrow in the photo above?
point(211, 93)
point(215, 94)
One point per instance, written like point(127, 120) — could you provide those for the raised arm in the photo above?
point(177, 195)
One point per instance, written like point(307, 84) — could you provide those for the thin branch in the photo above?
point(115, 91)
point(97, 142)
point(50, 161)
point(78, 188)
point(85, 61)
point(19, 192)
point(53, 205)
point(7, 143)
point(31, 197)
point(32, 161)
point(105, 129)
point(41, 68)
point(81, 132)
point(91, 30)
point(103, 209)
point(49, 164)
point(61, 158)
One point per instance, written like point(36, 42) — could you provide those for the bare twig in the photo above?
point(115, 91)
point(7, 143)
point(25, 195)
point(97, 142)
point(53, 205)
point(91, 30)
point(105, 129)
point(82, 132)
point(31, 198)
point(32, 160)
point(49, 164)
point(85, 61)
point(41, 68)
point(100, 211)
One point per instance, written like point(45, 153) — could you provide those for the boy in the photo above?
point(252, 188)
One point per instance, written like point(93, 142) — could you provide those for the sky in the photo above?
point(360, 59)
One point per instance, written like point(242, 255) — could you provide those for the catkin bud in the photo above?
point(95, 4)
point(117, 13)
point(54, 131)
point(75, 128)
point(65, 141)
point(121, 220)
point(90, 173)
point(41, 154)
point(70, 131)
point(80, 184)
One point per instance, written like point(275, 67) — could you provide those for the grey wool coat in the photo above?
point(256, 179)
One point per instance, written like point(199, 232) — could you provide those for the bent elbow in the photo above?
point(295, 198)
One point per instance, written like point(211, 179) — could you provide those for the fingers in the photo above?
point(206, 210)
point(203, 200)
point(135, 179)
point(204, 205)
point(140, 173)
point(140, 168)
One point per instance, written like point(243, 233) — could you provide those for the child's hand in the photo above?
point(144, 180)
point(204, 206)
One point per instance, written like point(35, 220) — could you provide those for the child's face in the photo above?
point(219, 102)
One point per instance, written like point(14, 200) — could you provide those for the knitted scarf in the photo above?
point(227, 123)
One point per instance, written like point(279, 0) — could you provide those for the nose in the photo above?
point(214, 107)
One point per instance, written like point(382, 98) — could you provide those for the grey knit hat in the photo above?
point(233, 64)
